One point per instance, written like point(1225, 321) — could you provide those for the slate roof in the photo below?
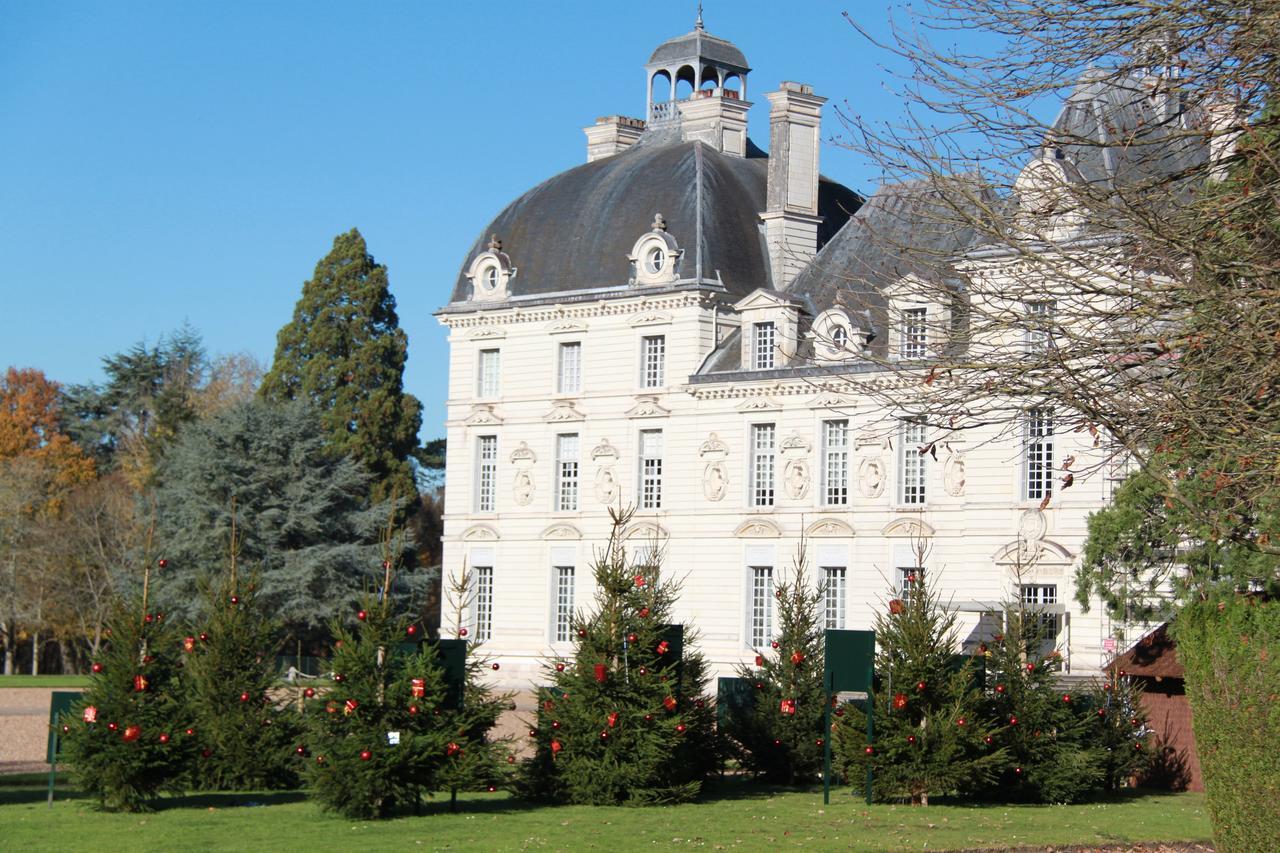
point(699, 43)
point(574, 231)
point(1122, 131)
point(1155, 655)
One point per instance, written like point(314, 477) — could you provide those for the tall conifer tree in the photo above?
point(344, 352)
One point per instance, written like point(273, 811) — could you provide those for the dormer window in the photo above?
point(839, 337)
point(491, 272)
point(763, 343)
point(655, 258)
point(915, 333)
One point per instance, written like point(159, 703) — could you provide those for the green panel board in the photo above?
point(452, 657)
point(733, 696)
point(849, 660)
point(60, 702)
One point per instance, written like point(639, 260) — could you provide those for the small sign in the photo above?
point(845, 696)
point(1109, 644)
point(393, 738)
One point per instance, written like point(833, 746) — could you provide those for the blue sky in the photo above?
point(171, 161)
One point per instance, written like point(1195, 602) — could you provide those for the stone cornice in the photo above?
point(641, 304)
point(845, 387)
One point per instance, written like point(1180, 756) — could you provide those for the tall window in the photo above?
point(835, 463)
point(915, 333)
point(653, 361)
point(651, 469)
point(1039, 335)
point(833, 590)
point(486, 473)
point(567, 472)
point(569, 368)
point(487, 373)
point(762, 346)
point(1038, 455)
point(563, 627)
point(911, 463)
point(908, 577)
point(482, 604)
point(1038, 597)
point(761, 616)
point(762, 444)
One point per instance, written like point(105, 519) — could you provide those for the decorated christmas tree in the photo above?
point(1047, 731)
point(779, 734)
point(129, 738)
point(395, 726)
point(929, 736)
point(1119, 729)
point(241, 718)
point(624, 718)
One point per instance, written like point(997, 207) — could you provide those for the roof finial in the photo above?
point(697, 25)
point(495, 245)
point(659, 224)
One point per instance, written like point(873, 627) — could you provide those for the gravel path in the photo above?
point(24, 728)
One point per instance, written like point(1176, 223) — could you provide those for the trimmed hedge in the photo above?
point(1231, 651)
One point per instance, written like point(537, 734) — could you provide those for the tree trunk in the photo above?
point(9, 631)
point(35, 653)
point(65, 656)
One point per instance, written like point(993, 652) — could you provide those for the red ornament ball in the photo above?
point(604, 735)
point(319, 759)
point(411, 630)
point(988, 740)
point(911, 739)
point(999, 688)
point(164, 738)
point(648, 718)
point(559, 667)
point(495, 666)
point(511, 759)
point(1018, 770)
point(339, 677)
point(1013, 721)
point(533, 732)
point(1102, 712)
point(920, 685)
point(1138, 746)
point(680, 727)
point(492, 789)
point(112, 727)
point(162, 563)
point(244, 697)
point(644, 613)
point(96, 668)
point(632, 638)
point(300, 749)
point(66, 729)
point(413, 709)
point(797, 658)
point(235, 599)
point(1031, 667)
point(643, 671)
point(555, 724)
point(774, 644)
point(310, 692)
point(204, 638)
point(582, 633)
point(365, 755)
point(206, 752)
point(818, 742)
point(960, 722)
point(386, 564)
point(190, 732)
point(777, 742)
point(361, 615)
point(759, 660)
point(148, 618)
point(462, 632)
point(759, 685)
point(869, 750)
point(1066, 697)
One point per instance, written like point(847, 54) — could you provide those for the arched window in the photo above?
point(839, 337)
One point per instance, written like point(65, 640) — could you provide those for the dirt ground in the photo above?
point(24, 726)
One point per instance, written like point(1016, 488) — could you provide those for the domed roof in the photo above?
point(575, 231)
point(699, 44)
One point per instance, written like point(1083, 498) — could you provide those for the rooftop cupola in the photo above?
point(700, 81)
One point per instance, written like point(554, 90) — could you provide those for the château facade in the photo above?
point(689, 326)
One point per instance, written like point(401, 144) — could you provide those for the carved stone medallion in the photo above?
point(953, 475)
point(795, 476)
point(871, 477)
point(715, 481)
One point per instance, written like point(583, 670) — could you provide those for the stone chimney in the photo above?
point(715, 117)
point(610, 135)
point(1226, 122)
point(791, 214)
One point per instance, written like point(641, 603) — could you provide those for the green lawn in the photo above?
point(741, 817)
point(44, 681)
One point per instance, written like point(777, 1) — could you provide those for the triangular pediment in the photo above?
point(763, 297)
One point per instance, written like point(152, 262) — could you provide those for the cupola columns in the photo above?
point(791, 214)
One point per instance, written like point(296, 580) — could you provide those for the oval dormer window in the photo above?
point(656, 259)
point(839, 337)
point(490, 278)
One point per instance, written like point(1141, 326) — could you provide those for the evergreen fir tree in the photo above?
point(253, 739)
point(1048, 732)
point(929, 737)
point(623, 720)
point(780, 734)
point(1119, 730)
point(344, 352)
point(388, 731)
point(129, 738)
